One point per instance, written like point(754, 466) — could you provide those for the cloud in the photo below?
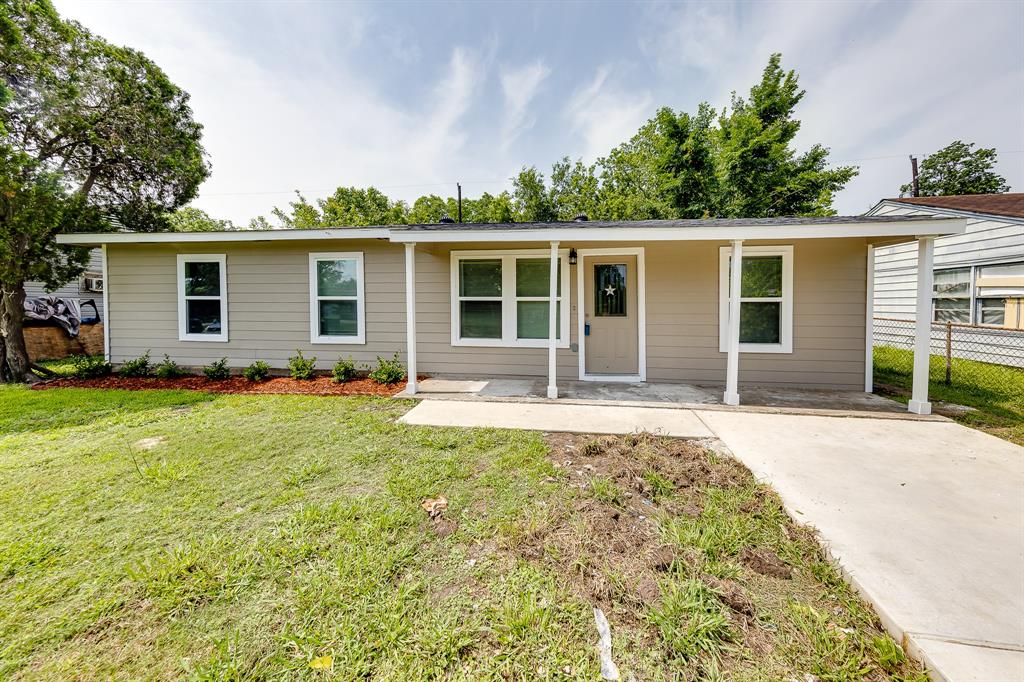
point(519, 87)
point(605, 115)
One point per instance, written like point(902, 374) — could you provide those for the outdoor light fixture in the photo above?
point(572, 256)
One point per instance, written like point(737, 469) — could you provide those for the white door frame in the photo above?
point(641, 320)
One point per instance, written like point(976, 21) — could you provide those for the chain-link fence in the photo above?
point(965, 355)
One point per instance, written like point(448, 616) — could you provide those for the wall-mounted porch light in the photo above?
point(572, 256)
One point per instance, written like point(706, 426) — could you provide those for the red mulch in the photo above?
point(321, 385)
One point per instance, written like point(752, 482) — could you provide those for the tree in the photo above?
point(684, 163)
point(347, 207)
point(530, 198)
point(90, 131)
point(192, 219)
point(631, 185)
point(574, 189)
point(958, 169)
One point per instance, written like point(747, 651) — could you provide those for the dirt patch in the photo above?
point(321, 385)
point(765, 562)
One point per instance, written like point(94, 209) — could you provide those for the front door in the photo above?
point(610, 315)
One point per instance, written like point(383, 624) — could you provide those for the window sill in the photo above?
point(216, 338)
point(339, 340)
point(760, 348)
point(499, 343)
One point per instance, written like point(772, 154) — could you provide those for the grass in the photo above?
point(996, 392)
point(253, 537)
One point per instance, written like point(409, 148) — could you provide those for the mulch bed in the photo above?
point(321, 385)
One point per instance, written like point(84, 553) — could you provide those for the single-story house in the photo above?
point(979, 274)
point(640, 301)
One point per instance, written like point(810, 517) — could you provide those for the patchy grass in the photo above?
point(174, 534)
point(996, 392)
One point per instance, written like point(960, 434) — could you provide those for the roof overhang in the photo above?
point(99, 238)
point(875, 228)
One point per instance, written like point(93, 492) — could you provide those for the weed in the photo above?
point(607, 490)
point(89, 366)
point(300, 367)
point(691, 620)
point(660, 486)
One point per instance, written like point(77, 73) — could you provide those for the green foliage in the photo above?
point(192, 219)
point(691, 621)
point(168, 369)
point(388, 371)
point(958, 168)
point(531, 199)
point(348, 206)
point(217, 370)
point(607, 490)
point(139, 367)
point(89, 366)
point(343, 370)
point(257, 371)
point(300, 367)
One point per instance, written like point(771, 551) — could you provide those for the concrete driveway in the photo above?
point(925, 518)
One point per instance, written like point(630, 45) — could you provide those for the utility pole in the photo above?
point(913, 170)
point(459, 186)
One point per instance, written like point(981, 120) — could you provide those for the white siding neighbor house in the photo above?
point(729, 302)
point(88, 286)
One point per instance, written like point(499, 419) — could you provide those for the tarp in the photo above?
point(60, 312)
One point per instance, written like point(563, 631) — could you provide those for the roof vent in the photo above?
point(580, 218)
point(446, 219)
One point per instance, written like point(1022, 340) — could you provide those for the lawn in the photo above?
point(996, 392)
point(166, 535)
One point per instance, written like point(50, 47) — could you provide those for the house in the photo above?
point(979, 274)
point(88, 287)
point(643, 301)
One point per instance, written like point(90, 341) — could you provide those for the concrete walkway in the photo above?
point(925, 517)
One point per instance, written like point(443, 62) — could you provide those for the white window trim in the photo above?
point(314, 299)
point(508, 298)
point(785, 314)
point(221, 260)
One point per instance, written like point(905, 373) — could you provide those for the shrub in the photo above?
point(344, 370)
point(168, 369)
point(388, 371)
point(139, 367)
point(300, 367)
point(89, 366)
point(217, 370)
point(257, 371)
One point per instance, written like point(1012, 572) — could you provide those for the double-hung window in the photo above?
point(951, 295)
point(202, 297)
point(337, 312)
point(502, 298)
point(766, 299)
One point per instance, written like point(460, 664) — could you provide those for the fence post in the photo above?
point(949, 353)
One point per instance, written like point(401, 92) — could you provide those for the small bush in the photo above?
point(388, 371)
point(217, 370)
point(257, 371)
point(344, 370)
point(89, 366)
point(300, 367)
point(168, 369)
point(139, 367)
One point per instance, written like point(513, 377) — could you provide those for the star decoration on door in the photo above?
point(609, 290)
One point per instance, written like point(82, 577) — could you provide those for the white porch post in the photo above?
point(553, 323)
point(410, 316)
point(732, 366)
point(869, 324)
point(923, 329)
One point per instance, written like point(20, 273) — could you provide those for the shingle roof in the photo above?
point(1009, 204)
point(647, 224)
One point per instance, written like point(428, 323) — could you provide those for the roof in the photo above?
point(1010, 204)
point(595, 230)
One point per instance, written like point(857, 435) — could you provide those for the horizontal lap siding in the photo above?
point(268, 303)
point(268, 312)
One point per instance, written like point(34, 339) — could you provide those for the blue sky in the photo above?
point(412, 97)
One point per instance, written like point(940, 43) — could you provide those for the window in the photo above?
point(951, 295)
point(993, 311)
point(766, 299)
point(202, 297)
point(336, 300)
point(501, 298)
point(610, 290)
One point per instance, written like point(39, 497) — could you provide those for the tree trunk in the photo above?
point(12, 316)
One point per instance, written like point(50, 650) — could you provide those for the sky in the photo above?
point(412, 97)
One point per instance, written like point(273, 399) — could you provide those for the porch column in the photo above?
point(732, 365)
point(923, 328)
point(869, 324)
point(553, 323)
point(410, 316)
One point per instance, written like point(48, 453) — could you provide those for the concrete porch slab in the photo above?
point(558, 417)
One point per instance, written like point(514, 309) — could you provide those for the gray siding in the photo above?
point(75, 289)
point(987, 240)
point(268, 311)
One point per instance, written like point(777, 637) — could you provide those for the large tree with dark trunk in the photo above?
point(93, 135)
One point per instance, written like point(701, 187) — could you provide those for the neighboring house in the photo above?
point(88, 286)
point(635, 301)
point(979, 275)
